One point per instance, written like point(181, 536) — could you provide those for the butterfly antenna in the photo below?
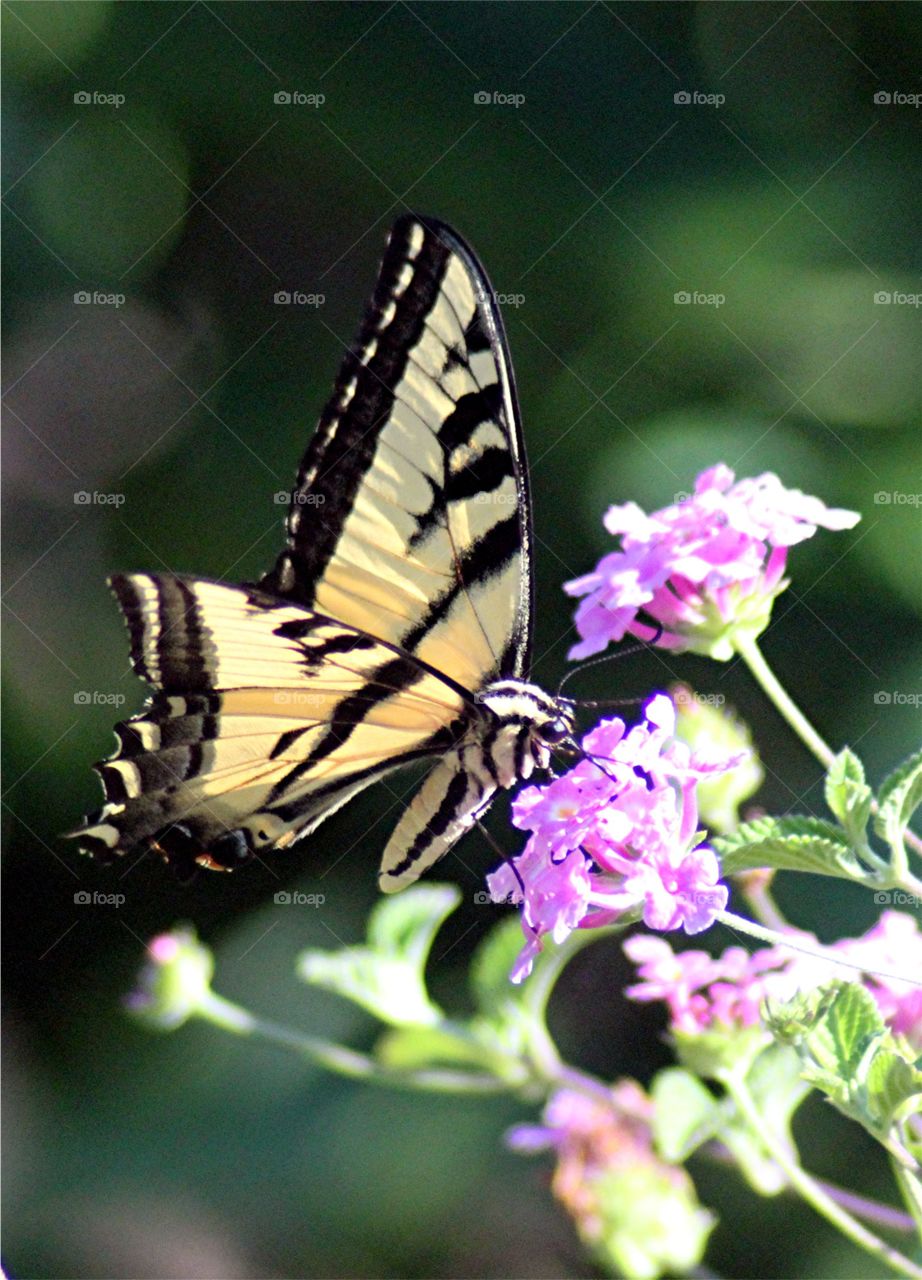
point(640, 647)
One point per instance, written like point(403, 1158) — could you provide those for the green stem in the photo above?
point(543, 1067)
point(811, 1191)
point(741, 925)
point(752, 655)
point(897, 871)
point(231, 1017)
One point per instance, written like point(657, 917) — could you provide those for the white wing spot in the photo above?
point(286, 573)
point(403, 280)
point(417, 240)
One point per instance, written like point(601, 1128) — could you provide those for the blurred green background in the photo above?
point(149, 168)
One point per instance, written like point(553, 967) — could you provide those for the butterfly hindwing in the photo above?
point(283, 715)
point(451, 799)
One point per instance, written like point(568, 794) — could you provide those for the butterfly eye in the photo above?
point(555, 731)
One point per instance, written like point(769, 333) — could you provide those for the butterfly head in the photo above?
point(526, 725)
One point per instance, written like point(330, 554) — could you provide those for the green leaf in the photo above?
point(720, 1049)
point(849, 1054)
point(419, 1048)
point(406, 924)
point(848, 796)
point(775, 1083)
point(898, 798)
point(491, 965)
point(789, 844)
point(386, 977)
point(773, 1080)
point(686, 1114)
point(506, 1020)
point(853, 1018)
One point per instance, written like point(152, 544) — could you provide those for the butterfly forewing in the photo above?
point(410, 518)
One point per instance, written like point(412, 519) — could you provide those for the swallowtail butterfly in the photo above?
point(395, 625)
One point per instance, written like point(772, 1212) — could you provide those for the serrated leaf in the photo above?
point(897, 799)
point(386, 977)
point(789, 844)
point(686, 1114)
point(892, 1082)
point(848, 795)
point(851, 1020)
point(392, 989)
point(848, 1052)
point(406, 924)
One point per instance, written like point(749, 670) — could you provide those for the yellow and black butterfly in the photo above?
point(395, 626)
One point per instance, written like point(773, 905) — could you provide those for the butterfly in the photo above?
point(395, 626)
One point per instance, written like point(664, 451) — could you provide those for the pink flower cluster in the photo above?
point(703, 991)
point(700, 570)
point(618, 831)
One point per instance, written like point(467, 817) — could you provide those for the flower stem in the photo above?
point(752, 655)
point(231, 1017)
point(742, 925)
point(811, 1191)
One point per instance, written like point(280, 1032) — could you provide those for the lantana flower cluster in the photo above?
point(701, 574)
point(617, 832)
point(703, 992)
point(638, 1213)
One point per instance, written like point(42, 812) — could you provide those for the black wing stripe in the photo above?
point(343, 448)
point(471, 411)
point(437, 824)
point(482, 560)
point(292, 810)
point(390, 679)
